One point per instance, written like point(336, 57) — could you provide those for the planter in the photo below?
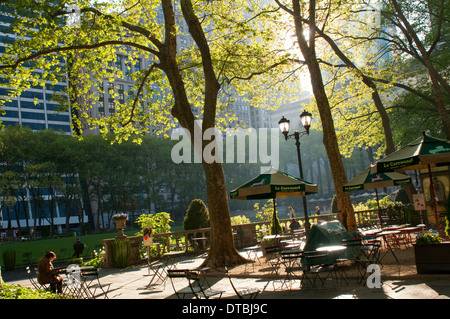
point(120, 226)
point(134, 252)
point(9, 259)
point(432, 258)
point(121, 252)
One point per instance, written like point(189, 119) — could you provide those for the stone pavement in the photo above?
point(401, 282)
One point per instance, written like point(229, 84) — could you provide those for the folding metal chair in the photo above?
point(28, 259)
point(252, 255)
point(198, 289)
point(318, 266)
point(292, 263)
point(91, 279)
point(273, 254)
point(179, 273)
point(243, 293)
point(158, 273)
point(362, 254)
point(35, 283)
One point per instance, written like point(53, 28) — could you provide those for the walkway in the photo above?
point(132, 283)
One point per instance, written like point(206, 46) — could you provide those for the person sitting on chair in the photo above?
point(294, 225)
point(46, 273)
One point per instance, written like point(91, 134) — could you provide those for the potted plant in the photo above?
point(432, 255)
point(120, 219)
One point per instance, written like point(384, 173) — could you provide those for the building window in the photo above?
point(119, 59)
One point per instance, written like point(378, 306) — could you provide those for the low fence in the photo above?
point(245, 234)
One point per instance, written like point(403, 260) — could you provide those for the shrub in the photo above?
point(9, 258)
point(159, 223)
point(17, 292)
point(275, 226)
point(75, 261)
point(97, 261)
point(197, 215)
point(428, 238)
point(238, 220)
point(334, 205)
point(264, 213)
point(403, 213)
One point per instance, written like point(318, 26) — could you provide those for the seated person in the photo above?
point(294, 225)
point(46, 273)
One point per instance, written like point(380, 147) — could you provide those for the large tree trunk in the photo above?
point(222, 251)
point(345, 208)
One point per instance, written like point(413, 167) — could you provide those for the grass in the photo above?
point(62, 247)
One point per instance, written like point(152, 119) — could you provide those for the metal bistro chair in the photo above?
point(157, 272)
point(373, 250)
point(243, 293)
point(360, 254)
point(317, 266)
point(92, 281)
point(35, 283)
point(273, 254)
point(188, 290)
point(198, 289)
point(252, 255)
point(28, 258)
point(292, 263)
point(179, 273)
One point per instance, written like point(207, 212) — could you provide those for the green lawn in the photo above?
point(62, 247)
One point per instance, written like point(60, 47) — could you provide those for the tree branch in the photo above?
point(74, 47)
point(141, 87)
point(131, 27)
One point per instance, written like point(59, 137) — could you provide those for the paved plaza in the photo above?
point(397, 282)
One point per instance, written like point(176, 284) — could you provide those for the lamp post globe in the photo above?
point(306, 119)
point(284, 126)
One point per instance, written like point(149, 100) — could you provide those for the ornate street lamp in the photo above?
point(284, 125)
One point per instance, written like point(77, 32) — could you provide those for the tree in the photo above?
point(413, 35)
point(419, 51)
point(307, 45)
point(191, 79)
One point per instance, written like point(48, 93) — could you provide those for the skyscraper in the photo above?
point(34, 107)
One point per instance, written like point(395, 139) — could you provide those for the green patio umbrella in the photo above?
point(368, 180)
point(421, 153)
point(425, 152)
point(273, 184)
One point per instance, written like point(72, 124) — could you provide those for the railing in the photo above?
point(369, 217)
point(182, 240)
